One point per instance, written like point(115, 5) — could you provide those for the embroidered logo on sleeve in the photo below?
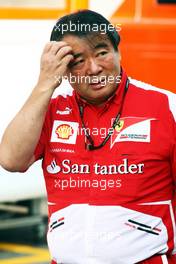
point(64, 132)
point(134, 129)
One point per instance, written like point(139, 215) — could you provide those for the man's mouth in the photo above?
point(97, 84)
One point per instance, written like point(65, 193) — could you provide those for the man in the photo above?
point(108, 150)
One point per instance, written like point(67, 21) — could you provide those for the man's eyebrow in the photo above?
point(101, 45)
point(98, 46)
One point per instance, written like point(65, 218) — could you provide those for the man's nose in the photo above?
point(93, 68)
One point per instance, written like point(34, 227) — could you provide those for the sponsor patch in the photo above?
point(64, 132)
point(134, 129)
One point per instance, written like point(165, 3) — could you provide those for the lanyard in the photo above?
point(90, 145)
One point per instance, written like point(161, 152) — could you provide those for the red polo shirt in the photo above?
point(125, 189)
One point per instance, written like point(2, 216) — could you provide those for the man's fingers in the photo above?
point(63, 52)
point(56, 46)
point(66, 60)
point(63, 67)
point(55, 60)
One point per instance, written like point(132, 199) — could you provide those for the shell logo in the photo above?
point(64, 131)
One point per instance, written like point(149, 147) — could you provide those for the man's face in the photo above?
point(95, 67)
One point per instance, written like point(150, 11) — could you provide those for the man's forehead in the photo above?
point(93, 40)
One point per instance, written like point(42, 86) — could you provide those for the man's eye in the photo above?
point(102, 53)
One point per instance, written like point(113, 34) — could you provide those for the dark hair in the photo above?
point(89, 22)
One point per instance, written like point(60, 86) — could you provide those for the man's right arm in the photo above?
point(22, 134)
